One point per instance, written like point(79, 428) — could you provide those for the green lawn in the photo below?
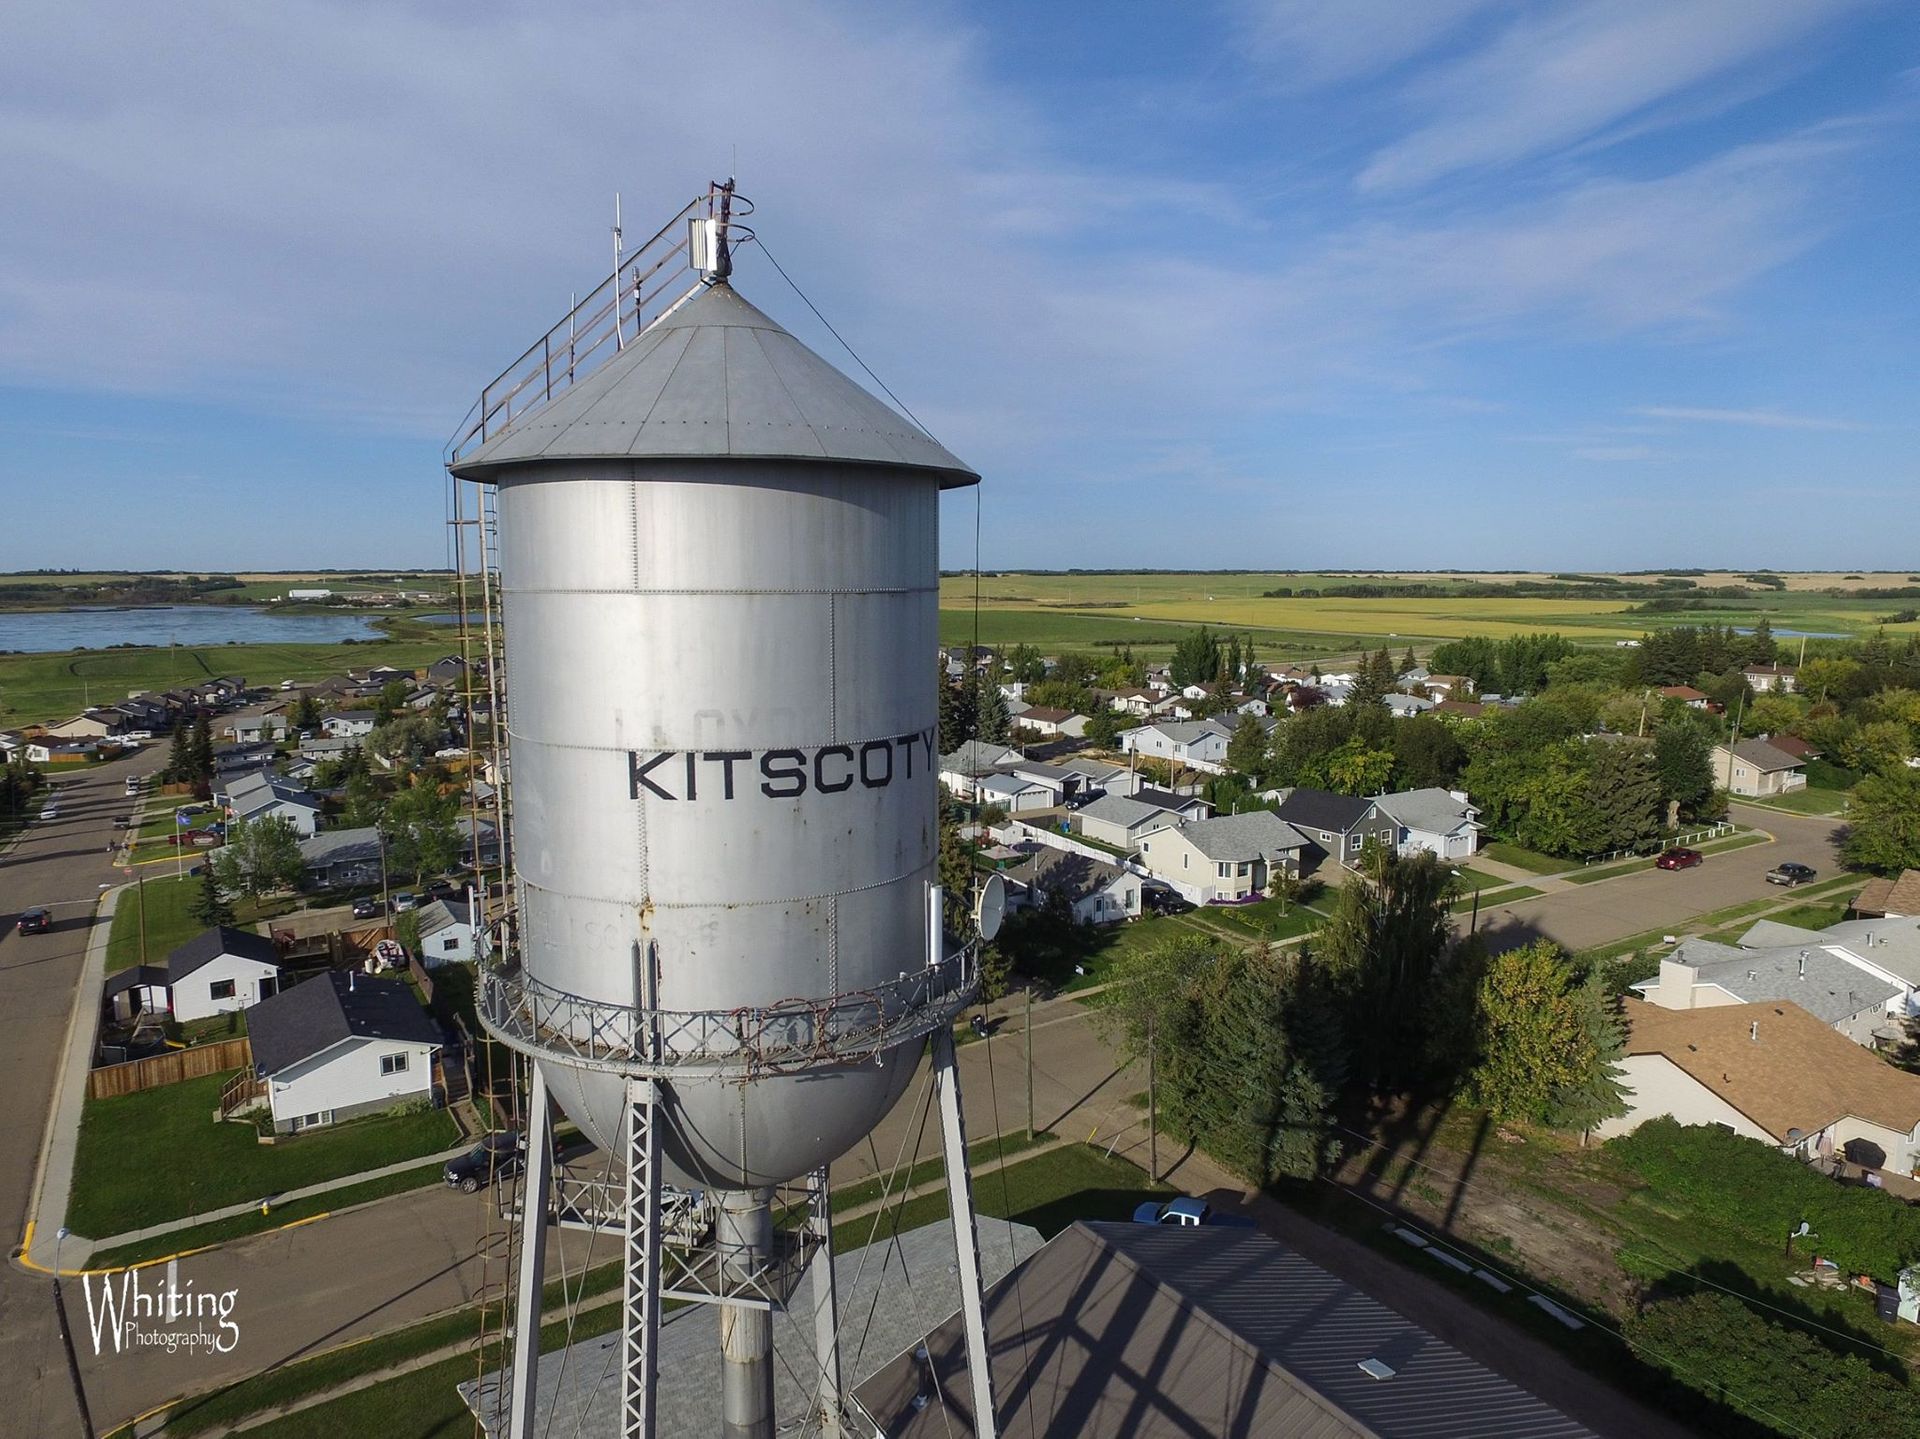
point(168, 921)
point(1530, 860)
point(1806, 801)
point(1506, 894)
point(159, 1155)
point(1812, 916)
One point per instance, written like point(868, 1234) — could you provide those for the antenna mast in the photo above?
point(619, 339)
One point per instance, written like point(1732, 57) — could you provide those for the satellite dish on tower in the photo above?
point(990, 909)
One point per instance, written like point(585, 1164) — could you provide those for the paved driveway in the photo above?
point(1580, 916)
point(62, 863)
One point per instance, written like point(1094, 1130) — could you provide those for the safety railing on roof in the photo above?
point(649, 283)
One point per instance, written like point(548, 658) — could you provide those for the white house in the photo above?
point(1222, 860)
point(349, 724)
point(1438, 821)
point(1134, 701)
point(341, 1045)
point(1097, 892)
point(258, 795)
point(220, 971)
point(1823, 980)
point(1046, 721)
point(1754, 767)
point(961, 770)
point(446, 933)
point(1407, 706)
point(1763, 679)
point(1014, 793)
point(1770, 1072)
point(253, 729)
point(1197, 744)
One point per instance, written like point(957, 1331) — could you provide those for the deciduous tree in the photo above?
point(259, 857)
point(1883, 822)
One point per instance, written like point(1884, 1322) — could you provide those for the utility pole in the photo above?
point(1030, 1130)
point(140, 885)
point(1153, 1110)
point(66, 1342)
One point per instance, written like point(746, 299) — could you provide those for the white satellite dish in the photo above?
point(990, 909)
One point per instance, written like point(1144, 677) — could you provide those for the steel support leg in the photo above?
point(826, 1306)
point(966, 1236)
point(536, 1193)
point(743, 1234)
point(640, 1344)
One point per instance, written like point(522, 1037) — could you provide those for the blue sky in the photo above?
point(1262, 283)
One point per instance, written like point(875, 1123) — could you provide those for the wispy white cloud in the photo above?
point(1759, 419)
point(1561, 75)
point(1311, 43)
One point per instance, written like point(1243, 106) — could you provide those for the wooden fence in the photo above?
point(170, 1068)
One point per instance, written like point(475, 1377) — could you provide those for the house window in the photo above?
point(221, 989)
point(1225, 870)
point(393, 1064)
point(449, 945)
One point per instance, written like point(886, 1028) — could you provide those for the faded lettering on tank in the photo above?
point(727, 774)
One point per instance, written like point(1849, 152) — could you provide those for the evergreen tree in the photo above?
point(200, 752)
point(1104, 727)
point(305, 714)
point(1761, 648)
point(1624, 799)
point(956, 713)
point(179, 766)
point(1247, 750)
point(1196, 658)
point(956, 873)
point(1407, 661)
point(1369, 689)
point(1592, 1093)
point(210, 905)
point(992, 722)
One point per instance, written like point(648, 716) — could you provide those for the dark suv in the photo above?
point(494, 1157)
point(35, 921)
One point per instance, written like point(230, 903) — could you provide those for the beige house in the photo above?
point(1756, 768)
point(1766, 679)
point(1771, 1072)
point(1225, 859)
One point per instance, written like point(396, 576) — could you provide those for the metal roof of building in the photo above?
point(1159, 1332)
point(890, 1294)
point(717, 379)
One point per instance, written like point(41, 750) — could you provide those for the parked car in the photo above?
point(1188, 1212)
point(1679, 859)
point(442, 889)
point(1791, 873)
point(404, 902)
point(1164, 901)
point(50, 810)
point(35, 921)
point(494, 1157)
point(368, 908)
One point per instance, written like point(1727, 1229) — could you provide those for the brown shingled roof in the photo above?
point(1896, 897)
point(1799, 1074)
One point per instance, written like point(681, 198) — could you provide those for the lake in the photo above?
point(44, 631)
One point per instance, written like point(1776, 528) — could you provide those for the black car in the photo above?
point(1164, 901)
point(35, 921)
point(1790, 874)
point(494, 1157)
point(368, 908)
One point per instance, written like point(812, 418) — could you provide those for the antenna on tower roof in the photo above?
point(709, 248)
point(619, 339)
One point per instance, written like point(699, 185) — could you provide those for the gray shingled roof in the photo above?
point(1065, 872)
point(309, 1018)
point(1831, 989)
point(1236, 837)
point(1765, 757)
point(977, 756)
point(1127, 813)
point(1433, 811)
point(204, 948)
point(717, 379)
point(1146, 1331)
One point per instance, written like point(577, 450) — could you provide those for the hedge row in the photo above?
point(1763, 1195)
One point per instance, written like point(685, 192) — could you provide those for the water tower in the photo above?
point(722, 940)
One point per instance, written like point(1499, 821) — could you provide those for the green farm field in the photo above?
point(1150, 611)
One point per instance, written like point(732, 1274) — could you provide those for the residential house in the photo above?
point(1134, 701)
point(447, 932)
point(340, 1045)
point(961, 770)
point(1767, 679)
point(1407, 706)
point(1196, 744)
point(220, 971)
point(1121, 820)
point(341, 858)
point(1772, 1072)
point(1757, 767)
point(1098, 779)
point(447, 670)
point(349, 724)
point(94, 724)
point(255, 729)
point(1687, 695)
point(1097, 892)
point(1792, 744)
point(1223, 860)
point(1046, 720)
point(47, 750)
point(1014, 793)
point(327, 746)
point(1823, 982)
point(1447, 687)
point(1440, 822)
point(258, 795)
point(1895, 898)
point(1337, 825)
point(1465, 709)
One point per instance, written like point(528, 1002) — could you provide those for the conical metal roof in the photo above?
point(717, 379)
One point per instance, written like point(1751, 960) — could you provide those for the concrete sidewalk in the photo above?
point(42, 1247)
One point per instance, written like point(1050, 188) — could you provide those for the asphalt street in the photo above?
point(62, 863)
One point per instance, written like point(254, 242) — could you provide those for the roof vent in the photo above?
point(1803, 964)
point(1755, 1035)
point(1374, 1369)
